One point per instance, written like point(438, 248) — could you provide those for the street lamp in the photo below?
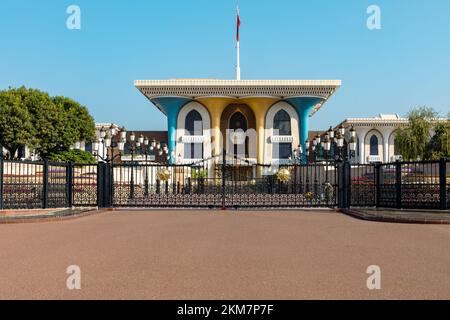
point(298, 153)
point(326, 145)
point(106, 139)
point(112, 129)
point(123, 133)
point(353, 132)
point(340, 144)
point(330, 133)
point(352, 145)
point(102, 133)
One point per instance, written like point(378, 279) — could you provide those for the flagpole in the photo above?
point(238, 66)
point(238, 63)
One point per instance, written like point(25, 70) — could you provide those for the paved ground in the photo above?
point(401, 216)
point(223, 255)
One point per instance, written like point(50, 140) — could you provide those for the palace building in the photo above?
point(263, 121)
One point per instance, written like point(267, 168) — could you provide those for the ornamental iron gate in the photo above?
point(223, 186)
point(224, 183)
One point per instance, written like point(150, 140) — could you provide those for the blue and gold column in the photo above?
point(171, 106)
point(304, 106)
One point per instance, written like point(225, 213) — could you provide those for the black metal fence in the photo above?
point(43, 184)
point(31, 185)
point(203, 186)
point(408, 185)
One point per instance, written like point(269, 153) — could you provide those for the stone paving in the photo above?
point(193, 254)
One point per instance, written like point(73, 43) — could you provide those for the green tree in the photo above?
point(412, 140)
point(54, 123)
point(78, 123)
point(439, 145)
point(48, 121)
point(16, 127)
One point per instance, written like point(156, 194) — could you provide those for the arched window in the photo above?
point(373, 145)
point(282, 123)
point(239, 122)
point(194, 127)
point(194, 123)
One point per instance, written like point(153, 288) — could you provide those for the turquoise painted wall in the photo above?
point(171, 106)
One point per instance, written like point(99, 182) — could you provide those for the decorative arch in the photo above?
point(250, 144)
point(391, 145)
point(184, 136)
point(270, 135)
point(371, 136)
point(192, 117)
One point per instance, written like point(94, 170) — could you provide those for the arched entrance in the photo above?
point(239, 118)
point(237, 125)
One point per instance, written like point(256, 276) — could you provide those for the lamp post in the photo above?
point(142, 145)
point(108, 144)
point(352, 145)
point(326, 145)
point(133, 150)
point(339, 146)
point(307, 144)
point(298, 154)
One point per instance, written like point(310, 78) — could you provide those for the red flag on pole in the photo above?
point(238, 25)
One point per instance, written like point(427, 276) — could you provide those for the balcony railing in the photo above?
point(192, 139)
point(281, 139)
point(371, 159)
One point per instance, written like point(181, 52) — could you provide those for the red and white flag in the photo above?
point(238, 24)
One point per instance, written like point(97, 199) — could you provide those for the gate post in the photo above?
point(377, 184)
point(104, 185)
point(398, 184)
point(1, 179)
point(108, 186)
point(69, 184)
point(45, 186)
point(344, 194)
point(223, 178)
point(443, 184)
point(100, 187)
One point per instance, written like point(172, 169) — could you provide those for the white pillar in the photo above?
point(386, 150)
point(386, 134)
point(362, 158)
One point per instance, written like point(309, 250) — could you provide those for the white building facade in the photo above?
point(375, 137)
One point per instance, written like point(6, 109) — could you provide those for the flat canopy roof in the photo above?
point(195, 88)
point(201, 88)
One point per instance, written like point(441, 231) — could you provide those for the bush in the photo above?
point(75, 156)
point(199, 174)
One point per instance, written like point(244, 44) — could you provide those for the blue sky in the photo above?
point(405, 64)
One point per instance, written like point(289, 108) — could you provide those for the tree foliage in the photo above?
point(417, 141)
point(75, 156)
point(46, 124)
point(16, 127)
point(439, 145)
